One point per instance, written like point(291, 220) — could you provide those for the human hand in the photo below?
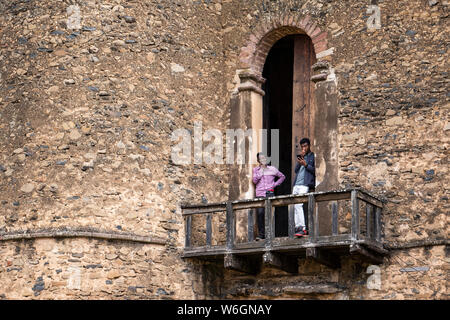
point(301, 160)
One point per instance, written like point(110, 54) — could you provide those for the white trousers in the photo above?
point(299, 215)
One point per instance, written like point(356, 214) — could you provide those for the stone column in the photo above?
point(247, 113)
point(325, 142)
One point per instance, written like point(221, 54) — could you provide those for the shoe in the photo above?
point(259, 238)
point(303, 232)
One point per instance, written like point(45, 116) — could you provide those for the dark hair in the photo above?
point(305, 140)
point(259, 154)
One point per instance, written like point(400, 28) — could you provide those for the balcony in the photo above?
point(360, 211)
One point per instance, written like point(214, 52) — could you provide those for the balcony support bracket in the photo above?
point(328, 259)
point(366, 254)
point(241, 264)
point(281, 261)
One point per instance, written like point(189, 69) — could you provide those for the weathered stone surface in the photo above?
point(27, 188)
point(447, 126)
point(395, 121)
point(113, 274)
point(118, 43)
point(74, 135)
point(176, 68)
point(105, 97)
point(111, 256)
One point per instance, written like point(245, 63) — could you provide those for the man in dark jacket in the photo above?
point(305, 180)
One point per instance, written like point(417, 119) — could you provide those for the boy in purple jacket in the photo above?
point(264, 179)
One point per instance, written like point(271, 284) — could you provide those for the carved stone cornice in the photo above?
point(321, 70)
point(251, 81)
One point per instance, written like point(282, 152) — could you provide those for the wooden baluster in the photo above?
point(369, 210)
point(208, 229)
point(316, 223)
point(355, 215)
point(312, 221)
point(334, 218)
point(231, 226)
point(188, 223)
point(377, 231)
point(250, 219)
point(291, 221)
point(268, 223)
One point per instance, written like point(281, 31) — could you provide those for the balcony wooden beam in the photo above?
point(366, 254)
point(369, 199)
point(326, 258)
point(241, 263)
point(280, 261)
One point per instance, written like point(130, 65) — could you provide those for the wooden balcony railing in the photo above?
point(283, 252)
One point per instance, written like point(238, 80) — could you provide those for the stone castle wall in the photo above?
point(86, 117)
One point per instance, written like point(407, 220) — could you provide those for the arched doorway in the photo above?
point(288, 106)
point(311, 82)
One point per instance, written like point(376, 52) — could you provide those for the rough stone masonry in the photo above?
point(89, 99)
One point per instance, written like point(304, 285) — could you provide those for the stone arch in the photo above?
point(253, 55)
point(247, 100)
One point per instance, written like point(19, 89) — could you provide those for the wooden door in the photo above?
point(303, 102)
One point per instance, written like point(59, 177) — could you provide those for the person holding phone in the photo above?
point(264, 178)
point(305, 180)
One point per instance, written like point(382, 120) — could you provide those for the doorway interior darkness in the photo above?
point(287, 106)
